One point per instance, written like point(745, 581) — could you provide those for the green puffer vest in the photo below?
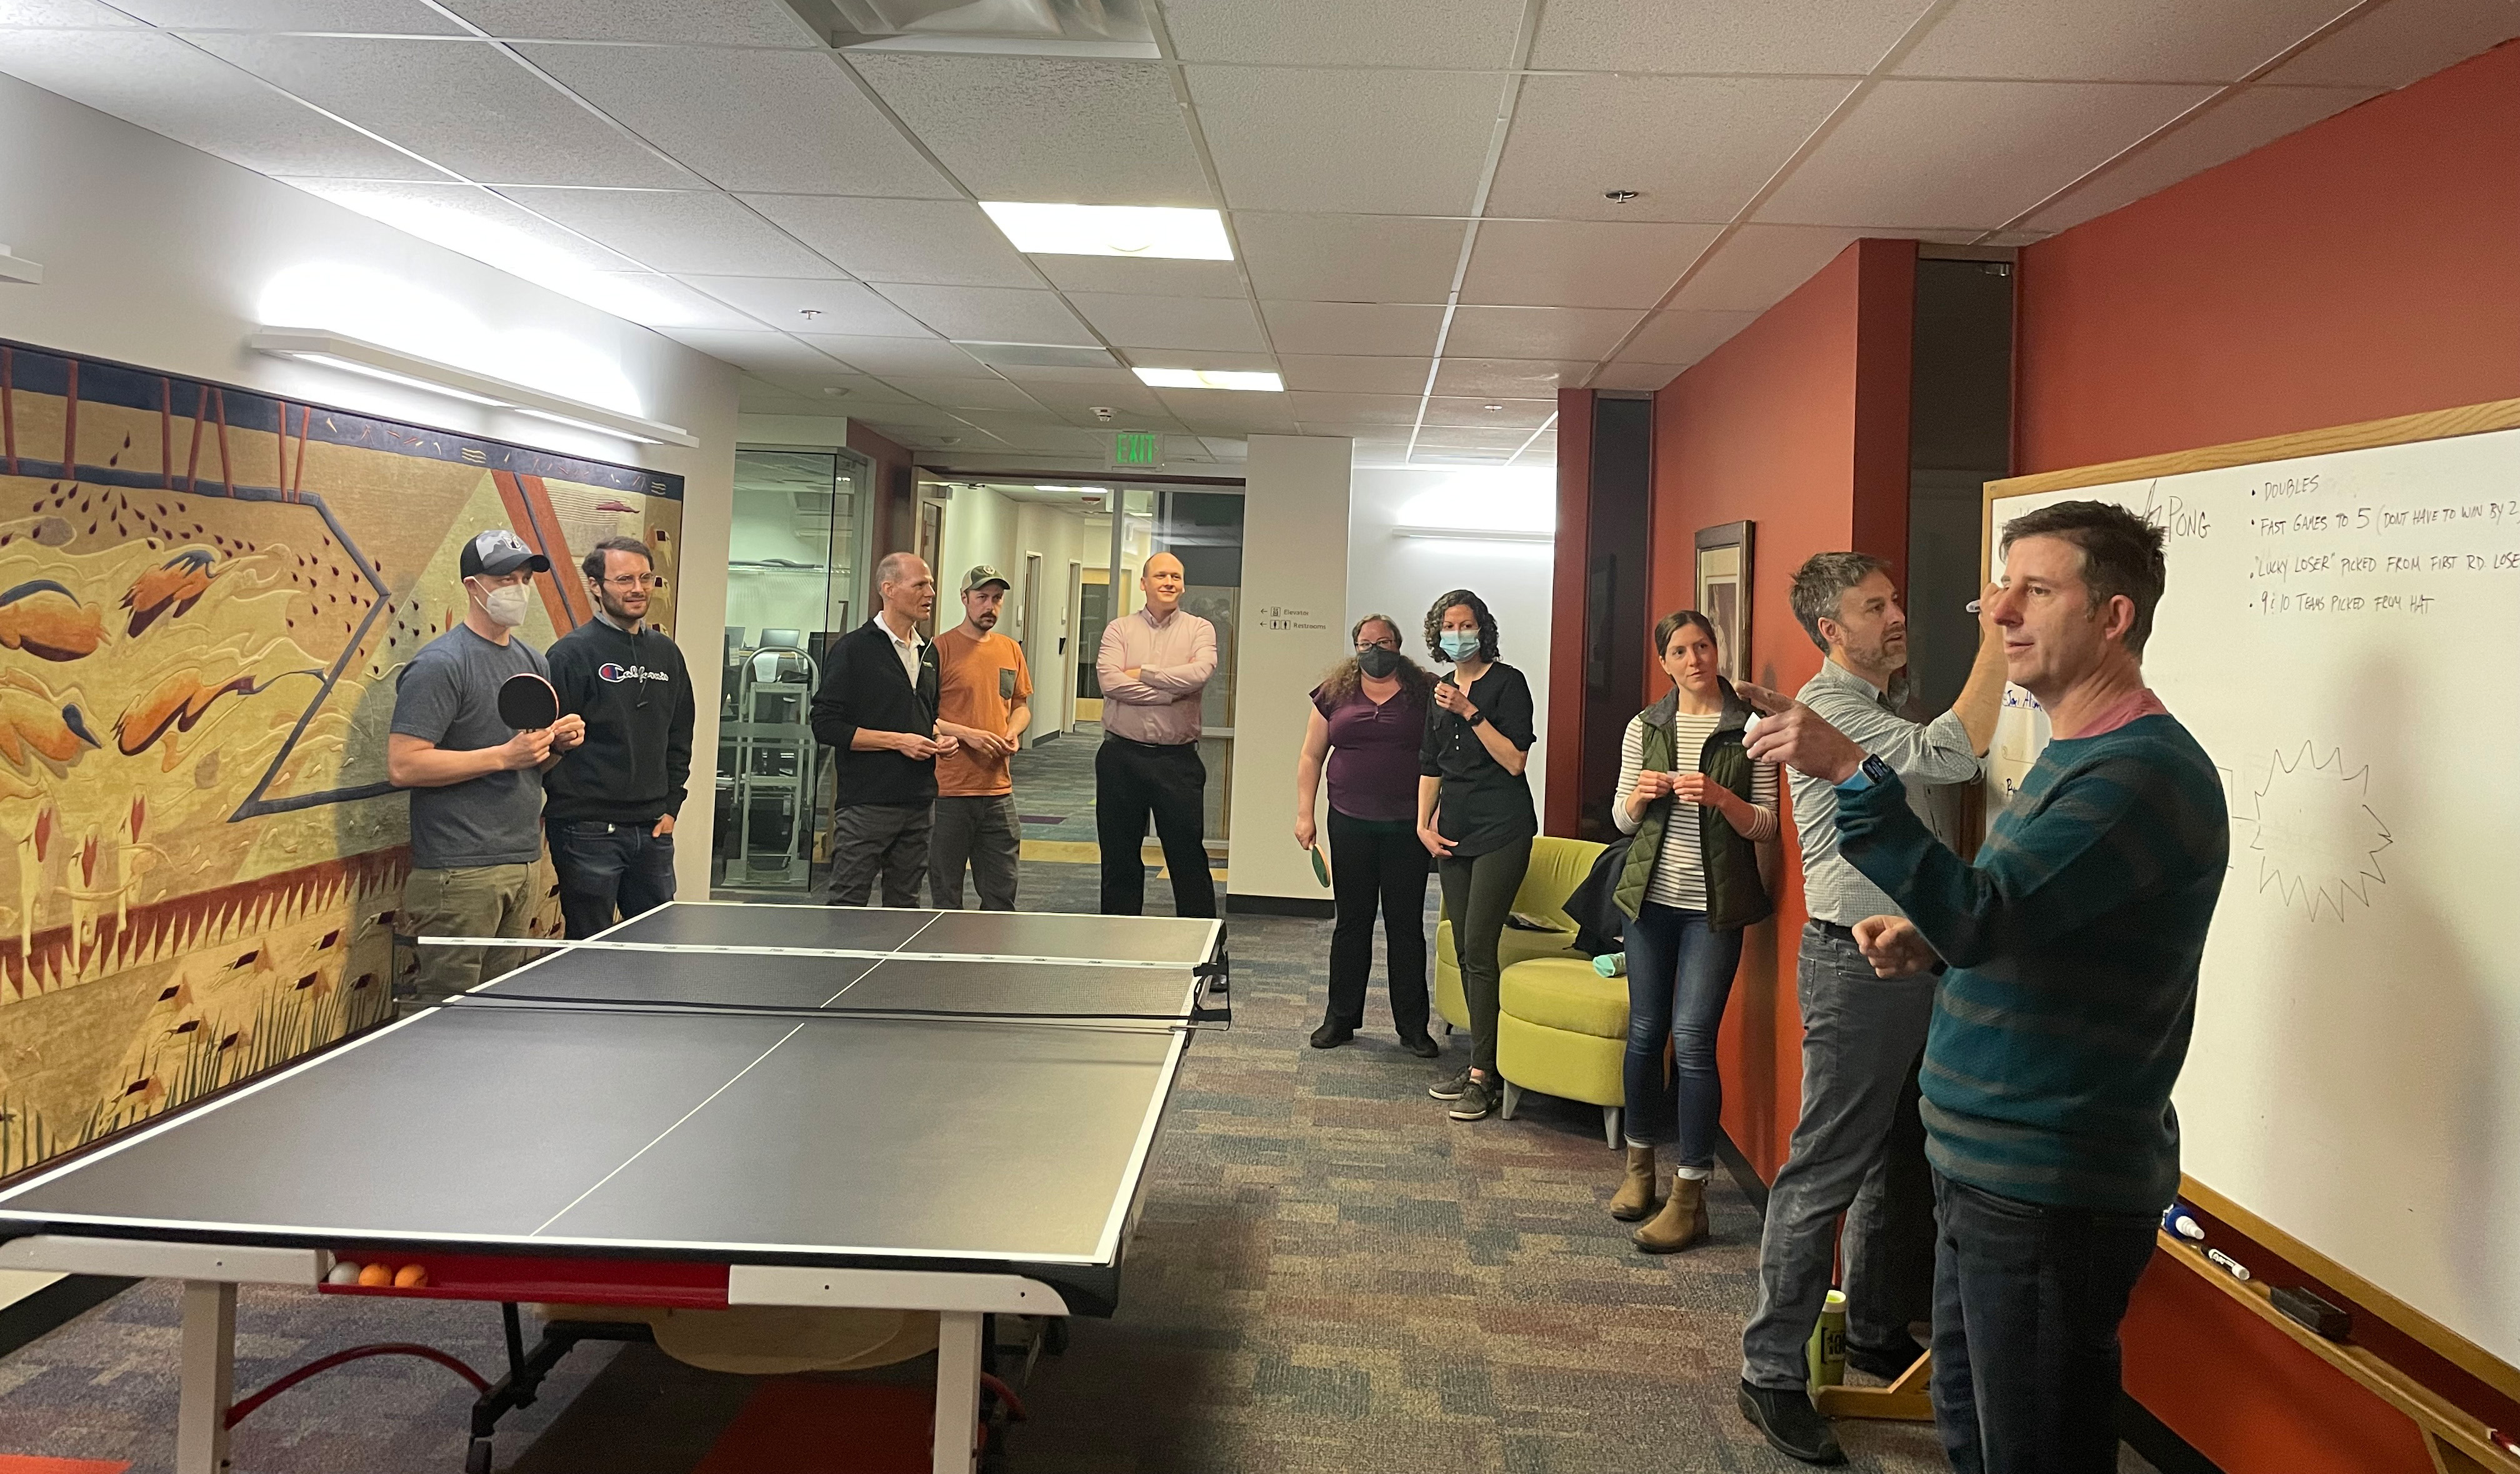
point(1735, 896)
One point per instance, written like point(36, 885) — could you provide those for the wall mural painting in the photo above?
point(205, 596)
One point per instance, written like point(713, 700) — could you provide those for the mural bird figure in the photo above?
point(170, 588)
point(30, 724)
point(178, 704)
point(44, 619)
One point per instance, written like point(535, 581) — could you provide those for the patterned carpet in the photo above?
point(1329, 1275)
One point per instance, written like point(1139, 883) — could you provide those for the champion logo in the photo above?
point(617, 674)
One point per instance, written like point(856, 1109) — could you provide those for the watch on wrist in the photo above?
point(1477, 717)
point(1875, 771)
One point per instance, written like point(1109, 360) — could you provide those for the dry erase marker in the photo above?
point(2177, 1220)
point(2237, 1269)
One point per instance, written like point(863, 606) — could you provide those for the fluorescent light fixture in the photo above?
point(1088, 490)
point(1477, 534)
point(374, 360)
point(1258, 382)
point(15, 268)
point(1186, 235)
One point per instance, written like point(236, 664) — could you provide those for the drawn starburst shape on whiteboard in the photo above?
point(2314, 838)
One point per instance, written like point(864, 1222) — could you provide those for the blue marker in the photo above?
point(2175, 1219)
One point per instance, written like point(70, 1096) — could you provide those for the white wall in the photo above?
point(1295, 506)
point(1060, 537)
point(1402, 575)
point(980, 526)
point(162, 256)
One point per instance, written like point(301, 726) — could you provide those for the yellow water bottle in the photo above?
point(1826, 1351)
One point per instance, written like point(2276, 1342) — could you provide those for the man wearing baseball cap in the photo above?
point(476, 783)
point(984, 695)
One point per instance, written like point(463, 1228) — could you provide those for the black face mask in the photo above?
point(1378, 661)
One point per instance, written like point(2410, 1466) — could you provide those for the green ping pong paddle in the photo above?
point(1321, 866)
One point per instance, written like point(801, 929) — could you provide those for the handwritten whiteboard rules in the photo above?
point(2339, 633)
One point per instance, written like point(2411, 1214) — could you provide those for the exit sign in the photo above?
point(1136, 450)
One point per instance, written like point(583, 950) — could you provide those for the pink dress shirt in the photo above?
point(1173, 660)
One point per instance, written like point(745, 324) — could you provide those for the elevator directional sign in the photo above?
point(1136, 450)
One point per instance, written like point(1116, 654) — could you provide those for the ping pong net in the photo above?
point(1053, 972)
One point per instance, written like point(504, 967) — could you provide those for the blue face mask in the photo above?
point(1461, 644)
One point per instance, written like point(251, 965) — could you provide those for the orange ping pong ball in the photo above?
point(411, 1276)
point(376, 1275)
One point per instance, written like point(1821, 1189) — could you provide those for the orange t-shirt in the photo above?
point(978, 681)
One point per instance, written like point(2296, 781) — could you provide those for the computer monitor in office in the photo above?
point(781, 639)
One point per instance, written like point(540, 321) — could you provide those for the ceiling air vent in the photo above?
point(988, 28)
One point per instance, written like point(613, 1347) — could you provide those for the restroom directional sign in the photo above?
point(1136, 450)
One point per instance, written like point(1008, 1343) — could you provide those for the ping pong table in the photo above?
point(708, 1105)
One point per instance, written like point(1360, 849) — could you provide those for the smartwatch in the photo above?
point(1874, 772)
point(1477, 717)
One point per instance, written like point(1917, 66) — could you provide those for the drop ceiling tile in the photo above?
point(1076, 403)
point(1155, 278)
point(46, 14)
point(968, 394)
point(1845, 37)
point(1332, 374)
point(783, 303)
point(1225, 449)
point(1449, 437)
point(723, 22)
point(1511, 378)
point(1218, 411)
point(1353, 409)
point(1919, 155)
point(2124, 41)
point(162, 84)
point(991, 314)
point(760, 352)
point(754, 397)
point(1760, 265)
point(857, 392)
point(1643, 375)
point(1349, 258)
point(1580, 263)
point(937, 242)
point(1537, 331)
point(681, 231)
point(1037, 377)
point(1402, 142)
point(1186, 323)
point(469, 218)
point(1086, 132)
point(786, 121)
point(1363, 329)
point(888, 357)
point(1460, 34)
point(660, 301)
point(1051, 440)
point(1696, 148)
point(2394, 44)
point(1685, 336)
point(1209, 358)
point(1525, 415)
point(405, 17)
point(2252, 118)
point(463, 103)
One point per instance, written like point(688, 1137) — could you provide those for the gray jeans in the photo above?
point(887, 838)
point(1861, 1035)
point(982, 829)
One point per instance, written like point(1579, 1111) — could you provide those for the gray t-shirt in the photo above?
point(448, 697)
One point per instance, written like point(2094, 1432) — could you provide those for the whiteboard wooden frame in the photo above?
point(2432, 425)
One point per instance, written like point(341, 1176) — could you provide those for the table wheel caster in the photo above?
point(476, 1456)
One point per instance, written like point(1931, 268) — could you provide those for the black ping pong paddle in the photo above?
point(527, 702)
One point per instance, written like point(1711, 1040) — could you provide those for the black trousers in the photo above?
point(1131, 780)
point(1369, 865)
point(2027, 1301)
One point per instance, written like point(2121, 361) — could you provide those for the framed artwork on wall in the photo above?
point(1723, 593)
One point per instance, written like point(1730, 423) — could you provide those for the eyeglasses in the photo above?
point(633, 580)
point(1377, 644)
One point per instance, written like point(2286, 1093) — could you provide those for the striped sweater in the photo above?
point(2072, 943)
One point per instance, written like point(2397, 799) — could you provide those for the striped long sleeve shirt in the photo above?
point(2072, 943)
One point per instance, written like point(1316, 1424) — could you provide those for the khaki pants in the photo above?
point(475, 901)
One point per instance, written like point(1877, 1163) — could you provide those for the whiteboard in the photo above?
point(2342, 633)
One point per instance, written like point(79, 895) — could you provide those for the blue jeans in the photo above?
point(607, 867)
point(2027, 1301)
point(1680, 973)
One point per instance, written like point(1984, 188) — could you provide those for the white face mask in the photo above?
point(507, 606)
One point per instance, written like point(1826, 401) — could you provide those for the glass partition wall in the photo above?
point(795, 565)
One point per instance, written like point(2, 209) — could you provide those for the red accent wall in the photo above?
point(2367, 266)
point(1799, 425)
point(1564, 796)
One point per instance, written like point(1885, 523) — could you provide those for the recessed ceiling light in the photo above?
point(1190, 235)
point(1161, 377)
point(1618, 196)
point(1492, 408)
point(1083, 491)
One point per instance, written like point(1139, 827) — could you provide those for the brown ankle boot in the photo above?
point(1682, 1222)
point(1636, 1195)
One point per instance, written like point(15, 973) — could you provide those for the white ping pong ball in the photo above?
point(344, 1272)
point(1750, 728)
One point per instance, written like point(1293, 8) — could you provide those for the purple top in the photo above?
point(1373, 753)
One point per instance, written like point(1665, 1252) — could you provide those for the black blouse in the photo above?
point(1482, 806)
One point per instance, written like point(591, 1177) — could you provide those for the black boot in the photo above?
point(1793, 1427)
point(1331, 1035)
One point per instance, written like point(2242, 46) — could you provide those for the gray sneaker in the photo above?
point(1450, 1086)
point(1477, 1098)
